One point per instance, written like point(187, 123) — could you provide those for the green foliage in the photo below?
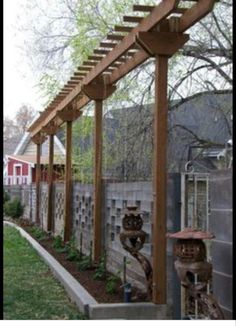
point(6, 196)
point(38, 233)
point(58, 244)
point(13, 208)
point(71, 249)
point(112, 283)
point(83, 149)
point(100, 273)
point(30, 290)
point(85, 263)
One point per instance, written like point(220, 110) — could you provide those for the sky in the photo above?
point(19, 84)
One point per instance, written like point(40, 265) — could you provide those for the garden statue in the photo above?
point(133, 238)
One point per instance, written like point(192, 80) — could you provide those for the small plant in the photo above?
point(58, 244)
point(73, 255)
point(112, 283)
point(13, 208)
point(100, 273)
point(38, 233)
point(85, 263)
point(71, 249)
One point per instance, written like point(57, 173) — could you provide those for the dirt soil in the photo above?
point(97, 288)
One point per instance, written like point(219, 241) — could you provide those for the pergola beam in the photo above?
point(157, 14)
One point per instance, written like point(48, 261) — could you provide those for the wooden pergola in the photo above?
point(159, 34)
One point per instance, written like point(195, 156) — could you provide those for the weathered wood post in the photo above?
point(98, 92)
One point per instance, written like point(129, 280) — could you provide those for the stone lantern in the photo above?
point(194, 271)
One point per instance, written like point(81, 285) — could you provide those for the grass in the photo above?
point(30, 290)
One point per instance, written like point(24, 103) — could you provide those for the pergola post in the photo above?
point(97, 240)
point(50, 223)
point(37, 182)
point(68, 183)
point(38, 140)
point(159, 180)
point(50, 130)
point(68, 115)
point(162, 45)
point(98, 92)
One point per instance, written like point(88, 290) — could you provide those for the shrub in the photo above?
point(13, 208)
point(6, 196)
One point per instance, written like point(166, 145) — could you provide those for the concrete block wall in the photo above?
point(58, 208)
point(220, 223)
point(14, 191)
point(26, 200)
point(43, 205)
point(120, 195)
point(83, 215)
point(116, 197)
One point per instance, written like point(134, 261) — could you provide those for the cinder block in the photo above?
point(222, 257)
point(221, 189)
point(223, 290)
point(220, 223)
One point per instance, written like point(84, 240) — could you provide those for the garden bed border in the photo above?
point(85, 302)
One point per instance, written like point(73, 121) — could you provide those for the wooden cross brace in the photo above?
point(39, 138)
point(161, 43)
point(98, 91)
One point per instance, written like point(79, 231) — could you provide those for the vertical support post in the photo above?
point(68, 183)
point(38, 179)
point(97, 242)
point(50, 184)
point(160, 180)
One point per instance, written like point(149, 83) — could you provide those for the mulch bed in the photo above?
point(97, 288)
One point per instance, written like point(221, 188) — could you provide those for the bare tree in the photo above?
point(24, 116)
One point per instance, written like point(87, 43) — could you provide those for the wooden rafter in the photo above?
point(143, 8)
point(115, 37)
point(126, 29)
point(132, 19)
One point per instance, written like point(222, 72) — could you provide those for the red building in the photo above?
point(20, 167)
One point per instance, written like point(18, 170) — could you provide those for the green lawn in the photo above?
point(30, 290)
